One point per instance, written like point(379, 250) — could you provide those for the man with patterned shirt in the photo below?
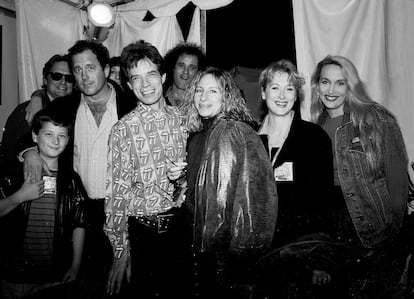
point(139, 204)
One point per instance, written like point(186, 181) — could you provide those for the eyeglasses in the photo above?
point(58, 77)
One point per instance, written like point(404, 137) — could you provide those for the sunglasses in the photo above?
point(58, 77)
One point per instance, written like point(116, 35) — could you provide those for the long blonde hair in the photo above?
point(234, 105)
point(364, 113)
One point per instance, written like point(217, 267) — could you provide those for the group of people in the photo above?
point(146, 176)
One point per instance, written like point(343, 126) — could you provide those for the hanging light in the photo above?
point(100, 20)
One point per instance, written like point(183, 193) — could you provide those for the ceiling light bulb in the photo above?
point(101, 14)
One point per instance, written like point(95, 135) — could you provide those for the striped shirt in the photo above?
point(39, 236)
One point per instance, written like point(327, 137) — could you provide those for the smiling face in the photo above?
point(146, 82)
point(51, 140)
point(88, 72)
point(208, 98)
point(279, 94)
point(185, 69)
point(332, 89)
point(59, 88)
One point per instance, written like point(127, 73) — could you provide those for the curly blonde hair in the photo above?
point(234, 106)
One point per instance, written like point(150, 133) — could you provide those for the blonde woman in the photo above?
point(370, 171)
point(301, 156)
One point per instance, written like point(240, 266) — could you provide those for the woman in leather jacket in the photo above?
point(231, 191)
point(370, 174)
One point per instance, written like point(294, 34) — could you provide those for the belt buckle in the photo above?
point(163, 222)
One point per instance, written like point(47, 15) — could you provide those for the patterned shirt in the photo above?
point(141, 147)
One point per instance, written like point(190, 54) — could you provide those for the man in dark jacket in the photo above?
point(57, 82)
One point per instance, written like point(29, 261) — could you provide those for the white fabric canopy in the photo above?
point(351, 28)
point(377, 35)
point(167, 8)
point(48, 27)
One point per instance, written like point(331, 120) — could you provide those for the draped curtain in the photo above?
point(48, 27)
point(376, 35)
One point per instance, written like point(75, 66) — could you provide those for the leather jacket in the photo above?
point(376, 202)
point(235, 193)
point(70, 199)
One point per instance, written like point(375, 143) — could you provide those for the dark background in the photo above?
point(249, 33)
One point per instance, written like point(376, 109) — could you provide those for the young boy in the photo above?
point(42, 223)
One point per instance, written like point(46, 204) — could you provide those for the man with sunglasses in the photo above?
point(57, 82)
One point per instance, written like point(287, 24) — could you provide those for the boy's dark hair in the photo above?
point(49, 64)
point(97, 48)
point(141, 49)
point(52, 115)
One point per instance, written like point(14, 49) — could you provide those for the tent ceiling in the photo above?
point(84, 3)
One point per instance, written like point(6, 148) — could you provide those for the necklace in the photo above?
point(277, 141)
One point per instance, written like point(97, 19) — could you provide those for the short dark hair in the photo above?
point(173, 54)
point(141, 49)
point(52, 60)
point(53, 115)
point(115, 61)
point(97, 48)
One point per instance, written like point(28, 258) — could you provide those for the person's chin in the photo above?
point(205, 115)
point(182, 84)
point(150, 100)
point(60, 93)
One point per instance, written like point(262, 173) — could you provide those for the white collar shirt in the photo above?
point(91, 145)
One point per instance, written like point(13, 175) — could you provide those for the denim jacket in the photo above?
point(376, 202)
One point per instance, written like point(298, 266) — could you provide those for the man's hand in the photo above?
point(119, 268)
point(176, 170)
point(33, 165)
point(32, 108)
point(180, 198)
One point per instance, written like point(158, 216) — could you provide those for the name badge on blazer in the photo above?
point(284, 173)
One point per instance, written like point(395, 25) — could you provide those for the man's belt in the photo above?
point(160, 223)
